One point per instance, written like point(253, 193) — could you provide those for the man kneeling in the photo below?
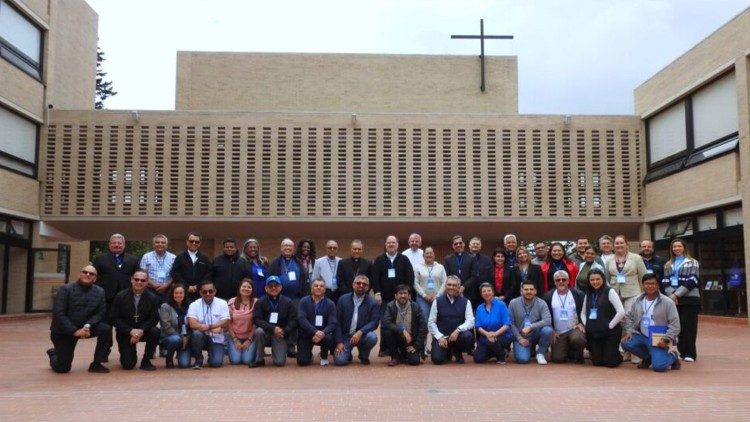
point(451, 322)
point(404, 328)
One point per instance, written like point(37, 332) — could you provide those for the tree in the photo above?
point(104, 89)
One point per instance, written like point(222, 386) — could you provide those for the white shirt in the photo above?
point(422, 273)
point(204, 313)
point(326, 268)
point(416, 257)
point(432, 321)
point(193, 255)
point(565, 302)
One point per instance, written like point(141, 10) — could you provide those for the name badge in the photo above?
point(430, 284)
point(274, 318)
point(161, 276)
point(292, 276)
point(563, 314)
point(674, 282)
point(645, 322)
point(592, 313)
point(260, 272)
point(334, 283)
point(621, 279)
point(391, 273)
point(318, 320)
point(526, 322)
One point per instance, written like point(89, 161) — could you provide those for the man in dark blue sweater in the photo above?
point(316, 315)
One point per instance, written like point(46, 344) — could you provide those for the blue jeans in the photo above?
point(173, 344)
point(244, 357)
point(639, 345)
point(200, 342)
point(540, 338)
point(365, 345)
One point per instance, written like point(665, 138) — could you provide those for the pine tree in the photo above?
point(104, 89)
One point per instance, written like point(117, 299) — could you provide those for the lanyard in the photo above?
point(563, 299)
point(527, 311)
point(429, 271)
point(207, 317)
point(646, 309)
point(319, 307)
point(274, 304)
point(557, 266)
point(333, 265)
point(594, 299)
point(460, 262)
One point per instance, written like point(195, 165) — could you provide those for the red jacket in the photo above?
point(570, 266)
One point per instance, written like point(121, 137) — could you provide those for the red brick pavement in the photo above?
point(716, 386)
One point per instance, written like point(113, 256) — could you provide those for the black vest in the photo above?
point(605, 311)
point(450, 315)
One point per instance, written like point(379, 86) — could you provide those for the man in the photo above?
point(511, 244)
point(326, 268)
point(451, 324)
point(208, 317)
point(540, 253)
point(654, 263)
point(135, 314)
point(316, 315)
point(482, 271)
point(78, 312)
point(358, 316)
point(404, 328)
point(532, 325)
point(191, 267)
point(389, 270)
point(158, 264)
point(115, 268)
point(290, 272)
point(414, 253)
point(350, 268)
point(565, 304)
point(224, 273)
point(582, 244)
point(459, 262)
point(275, 318)
point(606, 249)
point(652, 313)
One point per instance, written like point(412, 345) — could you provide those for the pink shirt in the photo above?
point(242, 319)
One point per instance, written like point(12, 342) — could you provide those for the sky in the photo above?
point(574, 56)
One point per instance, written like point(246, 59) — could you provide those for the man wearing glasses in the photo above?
point(191, 267)
point(135, 313)
point(326, 269)
point(358, 315)
point(78, 313)
point(275, 318)
point(208, 317)
point(565, 304)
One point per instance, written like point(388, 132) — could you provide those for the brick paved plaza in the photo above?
point(716, 386)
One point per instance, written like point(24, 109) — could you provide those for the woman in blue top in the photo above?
point(493, 327)
point(681, 284)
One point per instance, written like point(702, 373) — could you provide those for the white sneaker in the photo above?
point(540, 359)
point(324, 362)
point(689, 359)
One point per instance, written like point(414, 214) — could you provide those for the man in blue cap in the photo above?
point(275, 318)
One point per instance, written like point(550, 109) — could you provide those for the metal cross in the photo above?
point(481, 38)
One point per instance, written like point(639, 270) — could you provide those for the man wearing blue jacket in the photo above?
point(316, 315)
point(358, 317)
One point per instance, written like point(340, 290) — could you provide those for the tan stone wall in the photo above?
point(37, 7)
point(71, 73)
point(19, 195)
point(728, 43)
point(707, 183)
point(351, 83)
point(19, 90)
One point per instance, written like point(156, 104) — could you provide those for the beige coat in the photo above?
point(633, 270)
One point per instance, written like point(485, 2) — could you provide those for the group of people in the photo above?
point(613, 304)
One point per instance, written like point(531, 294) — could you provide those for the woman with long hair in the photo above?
point(174, 334)
point(240, 345)
point(681, 284)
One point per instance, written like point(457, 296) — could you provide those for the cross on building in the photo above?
point(481, 38)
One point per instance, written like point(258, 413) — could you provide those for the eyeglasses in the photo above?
point(140, 280)
point(84, 272)
point(194, 242)
point(208, 291)
point(561, 279)
point(333, 247)
point(360, 283)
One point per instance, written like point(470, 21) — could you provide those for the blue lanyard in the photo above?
point(274, 306)
point(319, 307)
point(594, 299)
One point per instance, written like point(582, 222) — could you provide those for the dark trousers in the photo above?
point(605, 347)
point(688, 330)
point(128, 352)
point(487, 350)
point(397, 347)
point(65, 346)
point(463, 343)
point(305, 346)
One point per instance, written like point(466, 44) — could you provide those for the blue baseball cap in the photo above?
point(272, 279)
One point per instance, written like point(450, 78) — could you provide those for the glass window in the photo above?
point(18, 140)
point(660, 230)
point(666, 133)
point(707, 222)
point(715, 111)
point(20, 40)
point(733, 217)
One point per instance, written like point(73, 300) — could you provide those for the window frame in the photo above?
point(35, 165)
point(13, 55)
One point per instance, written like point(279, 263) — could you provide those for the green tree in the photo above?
point(104, 89)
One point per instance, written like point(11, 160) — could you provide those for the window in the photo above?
point(20, 40)
point(701, 126)
point(18, 143)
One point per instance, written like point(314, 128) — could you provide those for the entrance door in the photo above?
point(51, 269)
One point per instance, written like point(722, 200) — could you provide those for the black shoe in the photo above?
point(98, 368)
point(460, 360)
point(162, 352)
point(198, 364)
point(645, 363)
point(146, 365)
point(365, 361)
point(105, 360)
point(291, 353)
point(51, 352)
point(170, 363)
point(677, 364)
point(257, 364)
point(382, 353)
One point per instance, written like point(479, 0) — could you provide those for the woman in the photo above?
point(590, 261)
point(253, 265)
point(525, 270)
point(681, 284)
point(306, 255)
point(555, 261)
point(429, 281)
point(174, 336)
point(241, 347)
point(626, 270)
point(601, 315)
point(493, 327)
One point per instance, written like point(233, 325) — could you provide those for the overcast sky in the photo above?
point(574, 57)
